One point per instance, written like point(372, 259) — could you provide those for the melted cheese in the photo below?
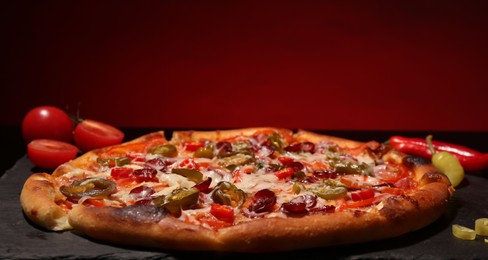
point(250, 177)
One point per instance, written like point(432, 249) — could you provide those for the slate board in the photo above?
point(22, 240)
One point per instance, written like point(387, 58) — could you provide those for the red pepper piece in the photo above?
point(470, 159)
point(362, 195)
point(285, 173)
point(222, 212)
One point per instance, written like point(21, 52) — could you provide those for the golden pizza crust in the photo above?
point(41, 192)
point(182, 136)
point(398, 215)
point(118, 226)
point(304, 135)
point(38, 200)
point(150, 226)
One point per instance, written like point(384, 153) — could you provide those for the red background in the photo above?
point(339, 65)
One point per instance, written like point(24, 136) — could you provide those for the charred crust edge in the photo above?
point(414, 161)
point(395, 207)
point(414, 202)
point(140, 213)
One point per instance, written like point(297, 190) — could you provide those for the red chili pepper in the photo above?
point(470, 159)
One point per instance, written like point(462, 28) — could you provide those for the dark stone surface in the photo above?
point(20, 239)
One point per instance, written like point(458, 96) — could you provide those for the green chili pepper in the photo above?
point(350, 167)
point(237, 148)
point(226, 193)
point(166, 150)
point(297, 188)
point(92, 187)
point(191, 174)
point(276, 142)
point(298, 175)
point(237, 159)
point(111, 162)
point(179, 199)
point(231, 167)
point(204, 152)
point(330, 193)
point(447, 164)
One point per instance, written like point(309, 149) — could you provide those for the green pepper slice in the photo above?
point(276, 142)
point(166, 150)
point(236, 160)
point(111, 162)
point(242, 148)
point(92, 187)
point(178, 200)
point(350, 167)
point(226, 193)
point(204, 152)
point(191, 174)
point(297, 188)
point(330, 193)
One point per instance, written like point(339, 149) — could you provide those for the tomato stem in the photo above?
point(76, 118)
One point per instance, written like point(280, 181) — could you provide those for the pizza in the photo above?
point(239, 190)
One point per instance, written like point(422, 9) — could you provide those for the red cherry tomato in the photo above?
point(47, 122)
point(49, 154)
point(91, 134)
